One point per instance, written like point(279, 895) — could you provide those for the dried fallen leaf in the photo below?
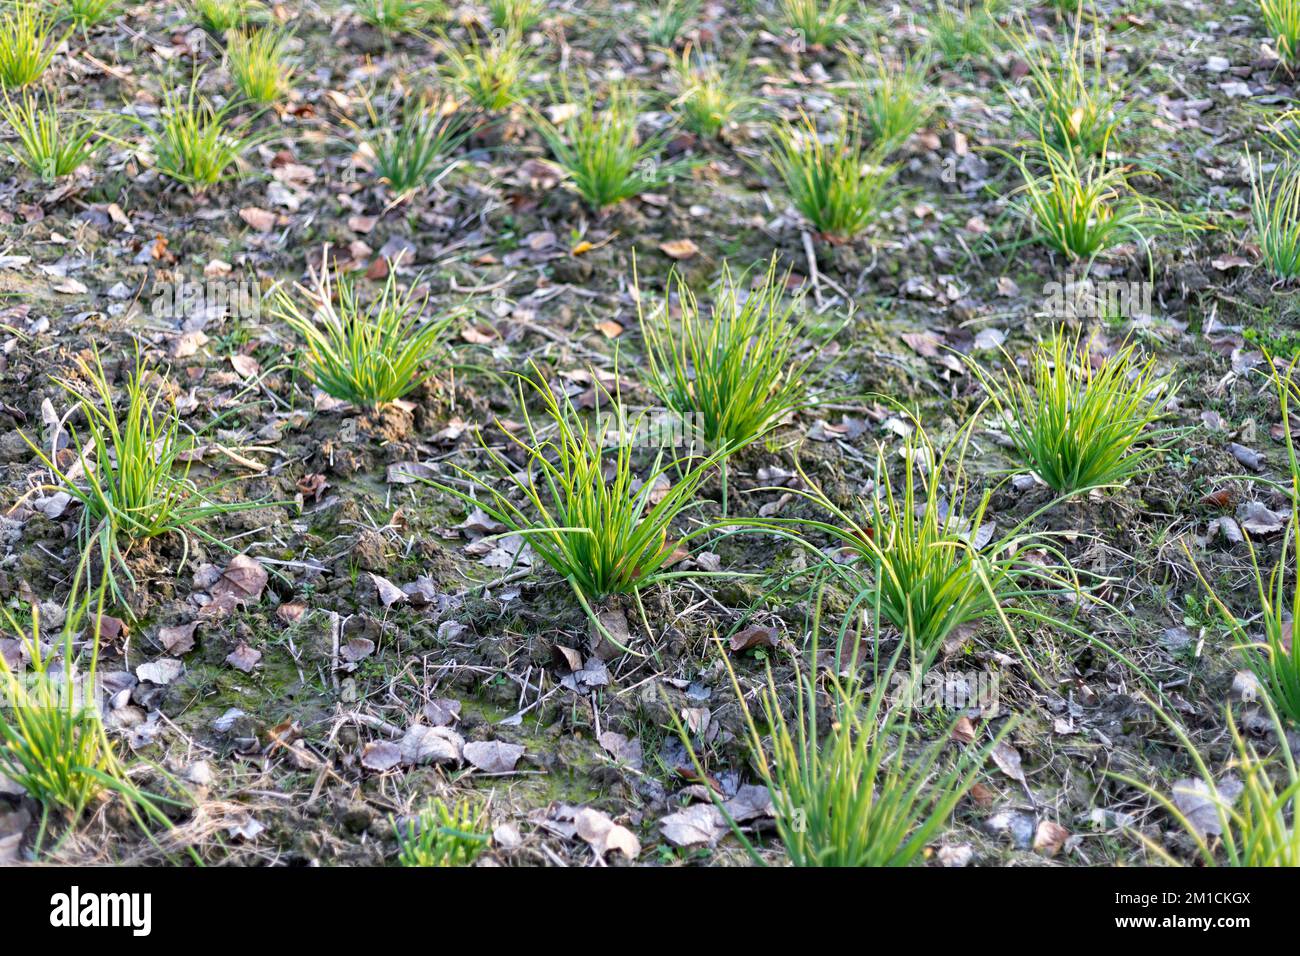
point(493, 756)
point(438, 745)
point(258, 219)
point(389, 593)
point(1050, 837)
point(1200, 804)
point(177, 639)
point(381, 756)
point(1007, 758)
point(751, 637)
point(244, 658)
point(700, 823)
point(679, 248)
point(602, 834)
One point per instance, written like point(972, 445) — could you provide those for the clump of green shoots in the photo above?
point(27, 44)
point(816, 22)
point(1274, 657)
point(52, 741)
point(418, 152)
point(259, 66)
point(1282, 17)
point(88, 13)
point(398, 16)
point(516, 15)
point(961, 35)
point(195, 142)
point(1084, 207)
point(218, 16)
point(585, 510)
point(736, 370)
point(710, 98)
point(667, 19)
point(892, 99)
point(365, 354)
point(129, 469)
point(840, 186)
point(1074, 107)
point(1275, 208)
point(853, 782)
point(605, 156)
point(920, 553)
point(1254, 821)
point(492, 77)
point(50, 142)
point(1080, 421)
point(442, 835)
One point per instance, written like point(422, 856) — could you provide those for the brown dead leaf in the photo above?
point(260, 220)
point(679, 249)
point(602, 834)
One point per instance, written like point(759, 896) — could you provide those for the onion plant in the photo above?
point(1246, 817)
point(606, 158)
point(601, 523)
point(442, 835)
point(28, 41)
point(129, 469)
point(1082, 421)
point(840, 186)
point(1275, 208)
point(853, 782)
point(367, 354)
point(50, 141)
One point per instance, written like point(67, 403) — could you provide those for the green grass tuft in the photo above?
point(50, 142)
point(27, 44)
point(840, 187)
point(365, 354)
point(892, 99)
point(88, 13)
point(443, 835)
point(398, 16)
point(491, 77)
point(259, 66)
point(195, 143)
point(129, 470)
point(603, 153)
point(418, 152)
point(817, 23)
point(1082, 421)
point(1282, 18)
point(735, 369)
point(585, 509)
point(853, 782)
point(710, 98)
point(666, 20)
point(1275, 208)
